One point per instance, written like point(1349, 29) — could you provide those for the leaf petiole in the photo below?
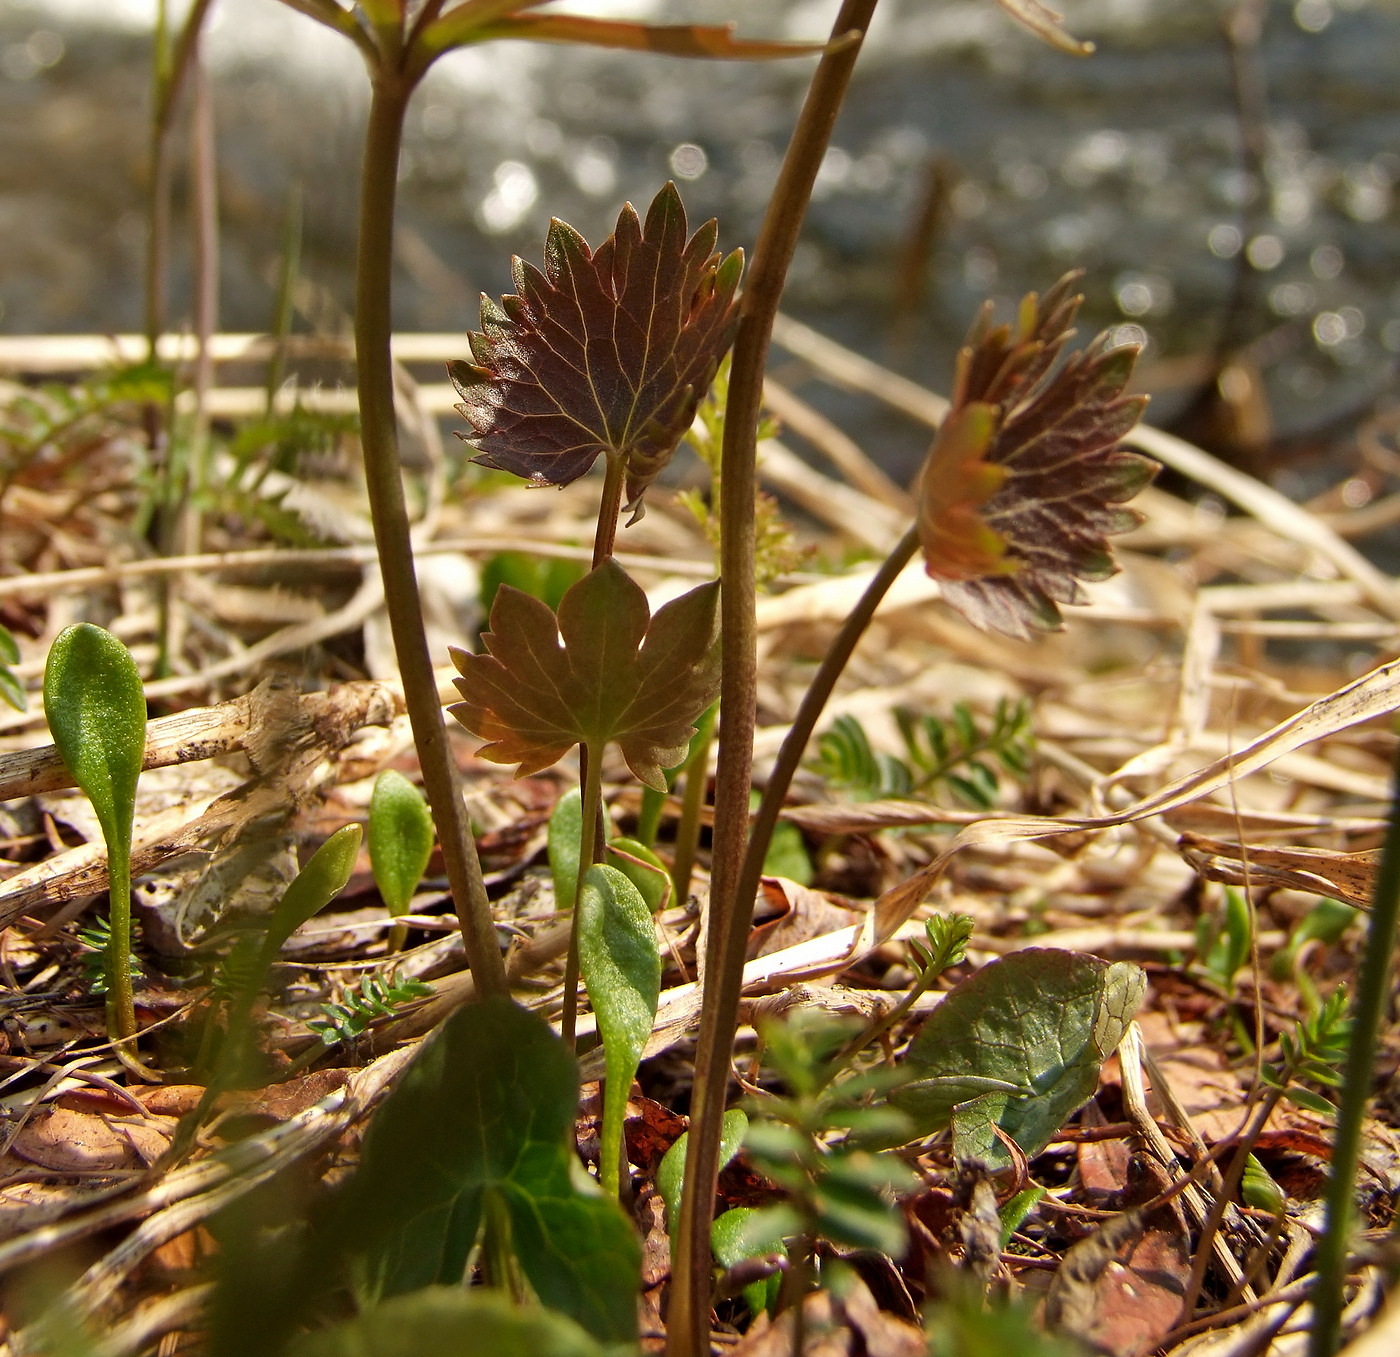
point(591, 760)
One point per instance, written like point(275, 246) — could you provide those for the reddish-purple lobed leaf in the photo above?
point(605, 351)
point(603, 670)
point(1026, 482)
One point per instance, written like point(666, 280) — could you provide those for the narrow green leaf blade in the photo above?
point(400, 838)
point(314, 887)
point(621, 968)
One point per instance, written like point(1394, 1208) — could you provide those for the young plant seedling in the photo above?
point(245, 970)
point(400, 844)
point(96, 710)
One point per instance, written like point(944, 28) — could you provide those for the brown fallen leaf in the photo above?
point(853, 1326)
point(65, 1141)
point(1120, 1290)
point(1348, 877)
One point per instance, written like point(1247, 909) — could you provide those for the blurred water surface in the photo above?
point(971, 161)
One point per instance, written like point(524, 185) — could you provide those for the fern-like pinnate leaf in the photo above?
point(603, 670)
point(1025, 482)
point(374, 997)
point(605, 351)
point(963, 755)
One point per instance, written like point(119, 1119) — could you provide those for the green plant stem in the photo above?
point(730, 914)
point(591, 761)
point(383, 477)
point(697, 766)
point(121, 1001)
point(1368, 1009)
point(605, 537)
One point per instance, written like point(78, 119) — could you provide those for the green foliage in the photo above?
point(565, 836)
point(1326, 923)
point(376, 996)
point(670, 1174)
point(961, 1323)
point(1017, 1046)
point(401, 840)
point(607, 351)
point(811, 1140)
point(737, 1236)
point(619, 675)
point(11, 689)
point(546, 578)
point(1225, 939)
point(775, 548)
point(283, 443)
point(62, 419)
point(959, 756)
point(96, 942)
point(243, 974)
point(96, 710)
point(443, 1319)
point(621, 968)
point(947, 936)
point(1315, 1051)
point(641, 866)
point(484, 1114)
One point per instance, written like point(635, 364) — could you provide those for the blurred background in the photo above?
point(1224, 172)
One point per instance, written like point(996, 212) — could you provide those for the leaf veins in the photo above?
point(1025, 480)
point(603, 669)
point(606, 351)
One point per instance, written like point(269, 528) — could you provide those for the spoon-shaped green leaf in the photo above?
point(621, 968)
point(400, 843)
point(96, 711)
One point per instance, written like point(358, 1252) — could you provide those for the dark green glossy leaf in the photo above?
point(488, 1107)
point(621, 968)
point(618, 675)
point(400, 838)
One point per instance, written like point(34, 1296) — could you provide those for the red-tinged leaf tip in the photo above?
point(1009, 551)
point(605, 351)
point(603, 670)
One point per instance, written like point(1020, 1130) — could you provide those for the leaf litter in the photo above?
point(1184, 744)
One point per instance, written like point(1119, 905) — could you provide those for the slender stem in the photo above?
point(813, 704)
point(379, 437)
point(731, 914)
point(591, 760)
point(696, 770)
point(605, 537)
point(1368, 1010)
point(121, 1002)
